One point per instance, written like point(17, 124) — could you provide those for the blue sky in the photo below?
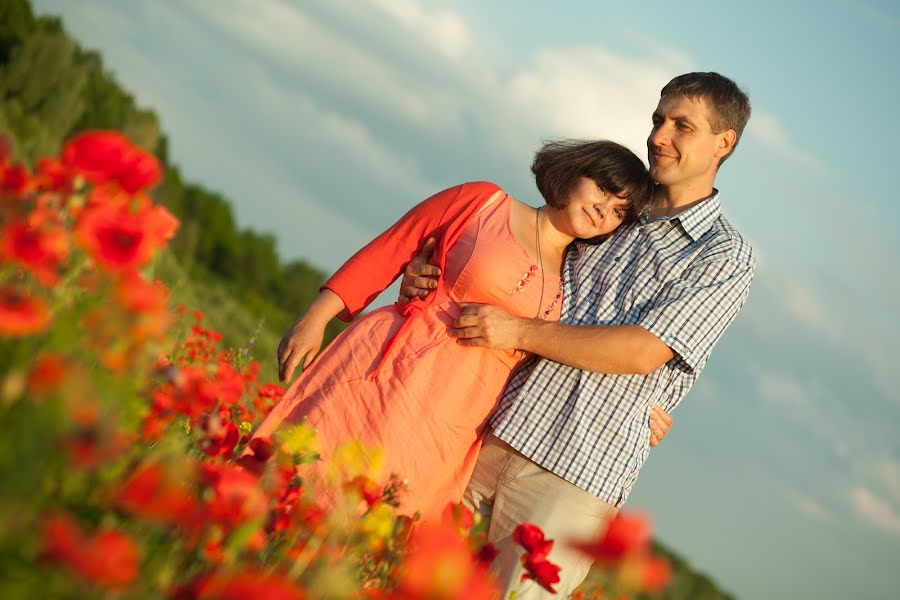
point(323, 121)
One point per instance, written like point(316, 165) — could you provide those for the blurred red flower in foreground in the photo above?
point(108, 559)
point(246, 585)
point(40, 250)
point(537, 567)
point(47, 373)
point(237, 496)
point(102, 156)
point(626, 534)
point(153, 493)
point(656, 572)
point(366, 488)
point(15, 180)
point(458, 515)
point(120, 238)
point(439, 566)
point(21, 314)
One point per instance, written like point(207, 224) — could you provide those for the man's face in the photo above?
point(682, 149)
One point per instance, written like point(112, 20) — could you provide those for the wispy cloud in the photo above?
point(443, 29)
point(875, 510)
point(589, 91)
point(807, 505)
point(768, 130)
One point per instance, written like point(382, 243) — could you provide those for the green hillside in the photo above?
point(52, 88)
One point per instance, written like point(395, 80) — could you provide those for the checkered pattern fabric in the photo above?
point(683, 279)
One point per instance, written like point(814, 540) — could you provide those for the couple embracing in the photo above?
point(524, 370)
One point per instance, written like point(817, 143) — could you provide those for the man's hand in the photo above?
point(419, 277)
point(487, 326)
point(660, 424)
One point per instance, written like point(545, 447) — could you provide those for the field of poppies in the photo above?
point(123, 417)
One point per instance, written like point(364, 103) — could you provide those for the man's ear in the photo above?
point(727, 140)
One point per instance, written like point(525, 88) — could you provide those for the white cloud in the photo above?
point(807, 505)
point(310, 50)
point(589, 91)
point(446, 31)
point(768, 130)
point(875, 510)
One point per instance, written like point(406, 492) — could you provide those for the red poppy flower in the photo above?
point(120, 239)
point(15, 181)
point(245, 585)
point(108, 559)
point(438, 565)
point(155, 494)
point(53, 175)
point(220, 435)
point(102, 156)
point(47, 374)
point(457, 515)
point(366, 488)
point(262, 448)
point(237, 495)
point(92, 446)
point(486, 554)
point(266, 396)
point(626, 534)
point(40, 250)
point(21, 314)
point(531, 538)
point(141, 296)
point(656, 573)
point(544, 572)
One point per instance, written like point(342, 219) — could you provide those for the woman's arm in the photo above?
point(371, 270)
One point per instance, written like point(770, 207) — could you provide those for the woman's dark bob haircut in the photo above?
point(559, 164)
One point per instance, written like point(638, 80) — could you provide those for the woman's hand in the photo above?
point(302, 342)
point(299, 347)
point(660, 424)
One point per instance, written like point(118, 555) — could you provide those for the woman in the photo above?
point(394, 379)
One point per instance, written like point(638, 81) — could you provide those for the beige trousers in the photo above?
point(510, 489)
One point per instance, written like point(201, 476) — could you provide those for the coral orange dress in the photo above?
point(400, 382)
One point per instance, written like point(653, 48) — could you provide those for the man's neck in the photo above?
point(670, 201)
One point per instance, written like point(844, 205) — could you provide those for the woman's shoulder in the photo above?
point(480, 187)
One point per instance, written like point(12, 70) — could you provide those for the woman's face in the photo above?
point(590, 212)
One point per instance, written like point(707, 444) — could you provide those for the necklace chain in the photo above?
point(532, 271)
point(537, 238)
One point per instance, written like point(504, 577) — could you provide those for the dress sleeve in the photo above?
point(371, 270)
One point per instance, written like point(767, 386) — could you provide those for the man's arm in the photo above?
point(686, 318)
point(619, 349)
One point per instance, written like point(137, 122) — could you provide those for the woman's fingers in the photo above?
point(660, 424)
point(283, 358)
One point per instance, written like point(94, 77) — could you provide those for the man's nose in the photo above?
point(660, 135)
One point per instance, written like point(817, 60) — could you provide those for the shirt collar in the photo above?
point(698, 219)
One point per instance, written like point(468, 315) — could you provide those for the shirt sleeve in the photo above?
point(691, 313)
point(371, 270)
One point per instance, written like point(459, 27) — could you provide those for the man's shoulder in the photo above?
point(723, 241)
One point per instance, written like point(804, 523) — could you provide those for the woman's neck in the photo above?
point(551, 237)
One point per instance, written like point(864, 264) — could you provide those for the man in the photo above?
point(641, 314)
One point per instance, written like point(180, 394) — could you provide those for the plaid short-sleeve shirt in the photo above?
point(683, 279)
